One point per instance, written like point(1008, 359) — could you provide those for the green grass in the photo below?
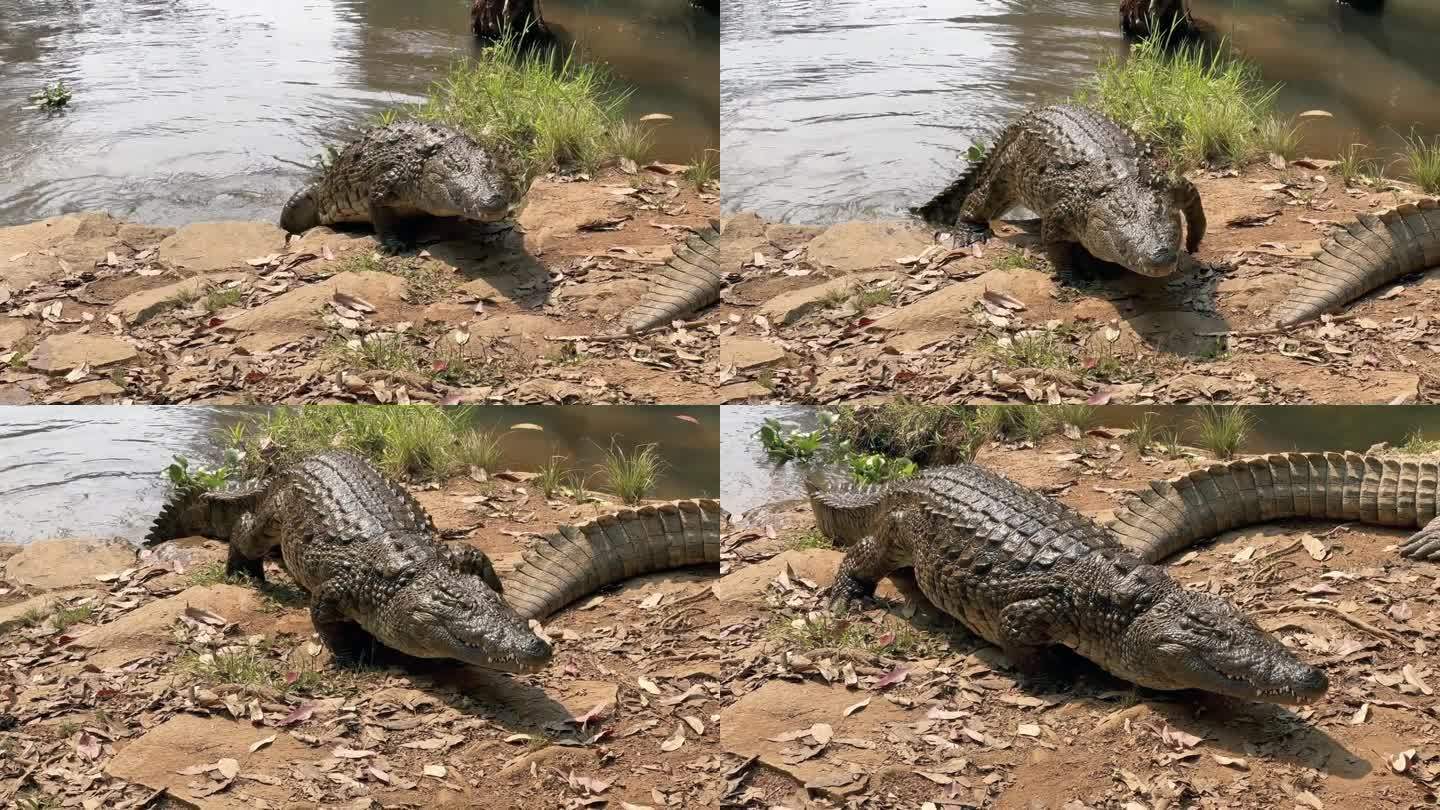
point(1033, 350)
point(552, 476)
point(426, 282)
point(1280, 137)
point(632, 140)
point(1194, 106)
point(566, 354)
point(378, 350)
point(1352, 164)
point(53, 96)
point(704, 169)
point(1081, 416)
point(1417, 445)
point(632, 475)
point(1222, 431)
point(66, 617)
point(36, 616)
point(219, 299)
point(1142, 433)
point(812, 539)
point(544, 111)
point(1423, 158)
point(37, 801)
point(872, 297)
point(1030, 422)
point(479, 448)
point(923, 432)
point(259, 666)
point(407, 441)
point(820, 631)
point(1018, 260)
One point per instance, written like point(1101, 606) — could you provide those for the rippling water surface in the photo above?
point(192, 110)
point(93, 471)
point(839, 109)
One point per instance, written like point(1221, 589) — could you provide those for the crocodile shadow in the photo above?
point(494, 252)
point(1237, 726)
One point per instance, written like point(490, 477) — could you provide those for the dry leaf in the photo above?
point(676, 740)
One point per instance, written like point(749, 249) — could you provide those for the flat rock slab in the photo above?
point(12, 331)
point(41, 250)
point(58, 354)
point(146, 304)
point(749, 584)
point(853, 246)
point(750, 353)
point(11, 615)
point(299, 309)
point(86, 392)
point(147, 630)
point(787, 308)
point(780, 707)
point(54, 564)
point(208, 246)
point(184, 741)
point(943, 311)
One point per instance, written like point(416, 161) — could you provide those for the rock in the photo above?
point(155, 759)
point(602, 298)
point(854, 246)
point(448, 312)
point(15, 395)
point(208, 246)
point(560, 209)
point(748, 585)
point(8, 550)
point(1391, 388)
point(1173, 332)
point(148, 629)
point(12, 615)
point(780, 707)
point(58, 354)
point(483, 290)
point(752, 353)
point(55, 247)
point(54, 564)
point(744, 225)
point(787, 237)
point(317, 239)
point(943, 311)
point(187, 551)
point(742, 392)
point(146, 304)
point(557, 391)
point(84, 392)
point(143, 236)
point(523, 331)
point(300, 309)
point(787, 308)
point(12, 331)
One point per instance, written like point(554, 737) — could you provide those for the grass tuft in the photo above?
point(1033, 350)
point(1417, 445)
point(1353, 164)
point(1195, 106)
point(479, 448)
point(1143, 432)
point(812, 539)
point(704, 169)
point(633, 475)
point(631, 140)
point(219, 299)
point(1280, 137)
point(552, 476)
point(1222, 431)
point(1423, 157)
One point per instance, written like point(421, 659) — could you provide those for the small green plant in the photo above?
point(381, 350)
point(874, 468)
point(785, 444)
point(53, 96)
point(407, 441)
point(812, 539)
point(632, 476)
point(1142, 433)
point(1015, 260)
point(1033, 350)
point(1081, 416)
point(185, 296)
point(201, 479)
point(704, 169)
point(37, 801)
point(577, 486)
point(219, 299)
point(479, 448)
point(213, 573)
point(872, 297)
point(1423, 158)
point(1280, 137)
point(66, 617)
point(425, 282)
point(1222, 431)
point(551, 477)
point(35, 616)
point(1353, 164)
point(566, 353)
point(1171, 444)
point(1417, 445)
point(1030, 422)
point(976, 152)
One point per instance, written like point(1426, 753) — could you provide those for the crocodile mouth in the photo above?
point(1241, 688)
point(483, 657)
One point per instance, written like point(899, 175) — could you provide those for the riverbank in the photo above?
point(861, 310)
point(97, 310)
point(904, 707)
point(151, 674)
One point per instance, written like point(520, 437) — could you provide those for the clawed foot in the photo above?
point(1423, 545)
point(850, 595)
point(395, 246)
point(967, 234)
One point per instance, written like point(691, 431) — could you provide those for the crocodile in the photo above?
point(1363, 255)
point(402, 171)
point(688, 283)
point(376, 569)
point(1090, 179)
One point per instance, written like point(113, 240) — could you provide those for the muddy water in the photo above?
point(850, 109)
point(192, 110)
point(752, 480)
point(89, 471)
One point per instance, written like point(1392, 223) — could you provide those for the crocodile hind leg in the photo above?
point(1424, 544)
point(248, 547)
point(865, 564)
point(471, 560)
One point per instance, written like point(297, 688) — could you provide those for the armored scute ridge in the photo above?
point(1091, 181)
point(1024, 571)
point(376, 568)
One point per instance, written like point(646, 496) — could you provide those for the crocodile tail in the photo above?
point(943, 210)
point(579, 560)
point(190, 511)
point(1362, 256)
point(688, 283)
point(1172, 515)
point(845, 512)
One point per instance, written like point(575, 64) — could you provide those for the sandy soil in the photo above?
point(933, 322)
point(111, 712)
point(925, 715)
point(97, 310)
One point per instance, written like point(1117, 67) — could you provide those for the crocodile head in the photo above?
point(1140, 232)
point(462, 179)
point(446, 614)
point(1189, 640)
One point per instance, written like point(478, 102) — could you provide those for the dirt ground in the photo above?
point(118, 710)
point(934, 323)
point(924, 715)
point(96, 310)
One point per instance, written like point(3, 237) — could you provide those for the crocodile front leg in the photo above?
point(1059, 247)
point(1026, 634)
point(390, 227)
point(865, 564)
point(344, 637)
point(1187, 199)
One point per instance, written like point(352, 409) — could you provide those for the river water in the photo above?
point(194, 110)
point(753, 480)
point(96, 471)
point(842, 109)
